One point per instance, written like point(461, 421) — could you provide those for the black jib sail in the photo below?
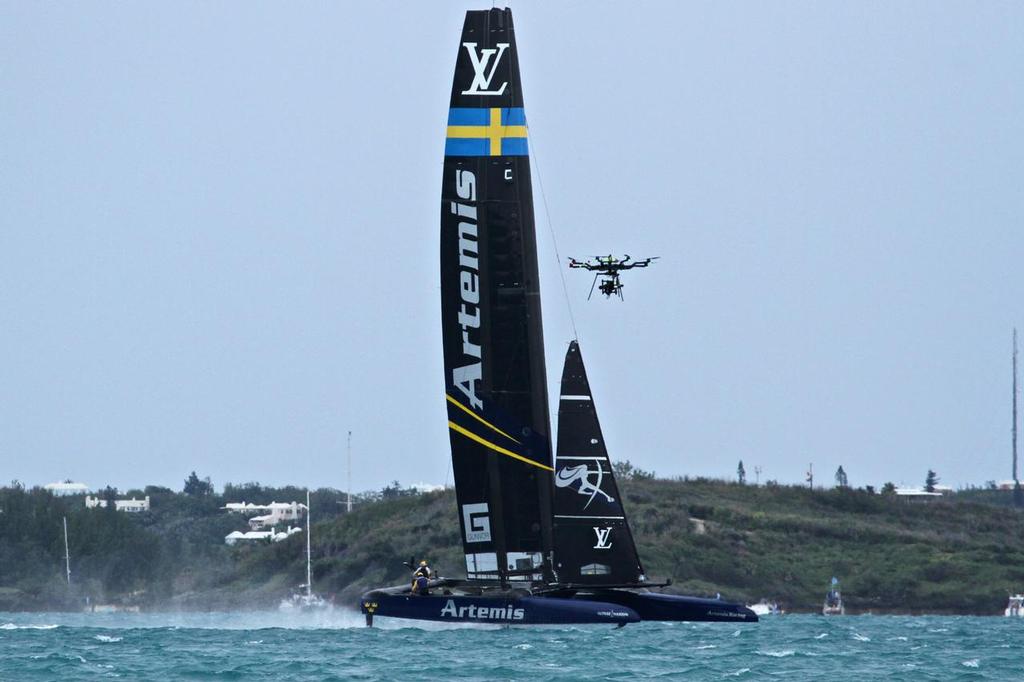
point(491, 315)
point(593, 543)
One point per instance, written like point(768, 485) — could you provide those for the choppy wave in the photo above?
point(288, 649)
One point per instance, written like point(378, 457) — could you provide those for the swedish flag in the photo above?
point(486, 132)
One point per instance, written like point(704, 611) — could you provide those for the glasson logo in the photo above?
point(467, 376)
point(477, 522)
point(486, 612)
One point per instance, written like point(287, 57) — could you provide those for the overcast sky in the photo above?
point(219, 235)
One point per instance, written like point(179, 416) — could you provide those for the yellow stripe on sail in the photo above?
point(488, 444)
point(480, 419)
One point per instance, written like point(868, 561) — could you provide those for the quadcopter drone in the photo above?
point(607, 268)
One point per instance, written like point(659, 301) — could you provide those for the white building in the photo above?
point(63, 488)
point(426, 487)
point(916, 493)
point(242, 507)
point(270, 514)
point(257, 535)
point(131, 506)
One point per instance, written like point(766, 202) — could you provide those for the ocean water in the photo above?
point(336, 646)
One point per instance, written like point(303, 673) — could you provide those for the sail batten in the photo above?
point(490, 312)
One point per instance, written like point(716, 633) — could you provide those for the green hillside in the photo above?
point(958, 554)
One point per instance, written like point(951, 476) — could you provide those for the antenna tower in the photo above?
point(1017, 495)
point(348, 497)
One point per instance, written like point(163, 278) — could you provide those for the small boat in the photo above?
point(833, 605)
point(1015, 608)
point(305, 599)
point(765, 608)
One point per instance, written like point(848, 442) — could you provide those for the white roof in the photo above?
point(249, 506)
point(257, 534)
point(426, 487)
point(65, 486)
point(916, 492)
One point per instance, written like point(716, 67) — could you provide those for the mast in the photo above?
point(67, 554)
point(1016, 482)
point(309, 561)
point(348, 505)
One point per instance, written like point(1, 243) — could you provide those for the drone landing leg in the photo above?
point(592, 287)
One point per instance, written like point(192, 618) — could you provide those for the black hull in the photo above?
point(496, 608)
point(456, 602)
point(671, 607)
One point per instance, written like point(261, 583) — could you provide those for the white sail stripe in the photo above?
point(576, 397)
point(586, 516)
point(599, 457)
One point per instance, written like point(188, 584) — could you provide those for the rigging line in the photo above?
point(551, 229)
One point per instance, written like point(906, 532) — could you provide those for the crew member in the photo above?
point(421, 586)
point(421, 579)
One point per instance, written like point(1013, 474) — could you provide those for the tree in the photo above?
point(109, 496)
point(930, 480)
point(623, 469)
point(395, 490)
point(642, 475)
point(841, 480)
point(197, 487)
point(889, 488)
point(741, 473)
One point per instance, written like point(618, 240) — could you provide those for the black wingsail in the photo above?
point(593, 543)
point(491, 316)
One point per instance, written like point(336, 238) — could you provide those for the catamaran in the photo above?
point(546, 540)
